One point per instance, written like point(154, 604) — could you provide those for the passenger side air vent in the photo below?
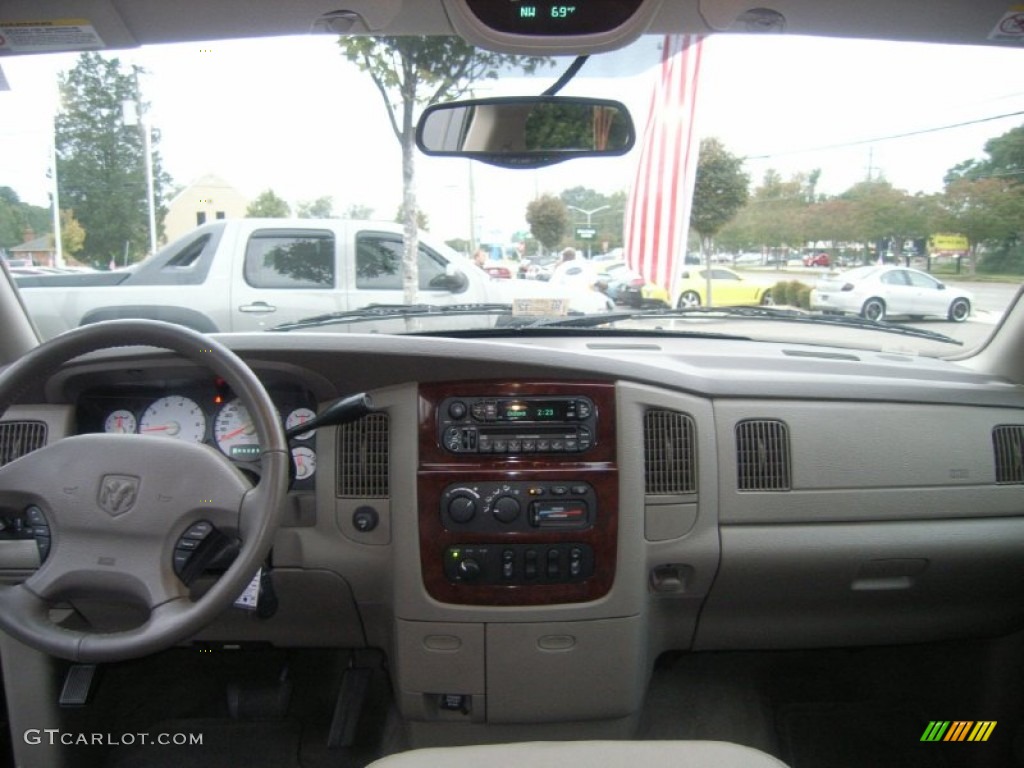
point(363, 458)
point(670, 456)
point(762, 455)
point(20, 437)
point(1008, 444)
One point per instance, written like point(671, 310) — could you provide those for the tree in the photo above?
point(719, 192)
point(548, 219)
point(986, 210)
point(1005, 159)
point(358, 212)
point(412, 72)
point(268, 205)
point(101, 160)
point(321, 208)
point(72, 234)
point(422, 222)
point(16, 217)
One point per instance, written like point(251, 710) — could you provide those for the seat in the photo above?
point(593, 754)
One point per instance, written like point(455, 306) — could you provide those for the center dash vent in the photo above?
point(20, 437)
point(762, 455)
point(363, 458)
point(670, 456)
point(1008, 444)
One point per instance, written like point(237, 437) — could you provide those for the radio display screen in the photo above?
point(533, 410)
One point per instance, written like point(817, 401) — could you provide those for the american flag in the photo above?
point(658, 213)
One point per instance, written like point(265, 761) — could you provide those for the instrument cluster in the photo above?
point(204, 412)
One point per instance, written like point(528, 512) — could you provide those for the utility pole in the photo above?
point(588, 214)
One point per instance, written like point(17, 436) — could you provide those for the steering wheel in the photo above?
point(120, 508)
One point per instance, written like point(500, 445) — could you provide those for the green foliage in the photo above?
point(321, 208)
point(101, 160)
point(358, 212)
point(1008, 260)
point(608, 222)
point(1005, 159)
point(422, 222)
point(720, 189)
point(268, 205)
point(792, 293)
point(16, 217)
point(548, 219)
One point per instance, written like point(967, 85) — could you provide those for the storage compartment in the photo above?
point(578, 670)
point(440, 670)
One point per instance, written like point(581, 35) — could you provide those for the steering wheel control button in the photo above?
point(36, 525)
point(188, 544)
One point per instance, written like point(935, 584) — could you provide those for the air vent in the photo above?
point(20, 437)
point(670, 457)
point(363, 458)
point(1008, 444)
point(762, 455)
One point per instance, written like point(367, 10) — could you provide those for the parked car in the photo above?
point(728, 289)
point(817, 260)
point(878, 292)
point(628, 287)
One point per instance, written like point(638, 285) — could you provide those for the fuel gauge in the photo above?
point(120, 422)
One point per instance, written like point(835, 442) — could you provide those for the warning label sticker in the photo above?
point(1011, 26)
point(48, 36)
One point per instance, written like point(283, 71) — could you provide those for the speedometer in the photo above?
point(174, 416)
point(235, 433)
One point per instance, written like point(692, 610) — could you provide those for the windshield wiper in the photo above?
point(752, 313)
point(386, 311)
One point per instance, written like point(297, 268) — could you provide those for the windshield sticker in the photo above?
point(1011, 26)
point(54, 35)
point(540, 307)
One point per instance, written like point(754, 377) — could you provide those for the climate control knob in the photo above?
point(469, 569)
point(462, 509)
point(506, 509)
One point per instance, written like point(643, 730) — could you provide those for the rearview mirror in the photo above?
point(526, 132)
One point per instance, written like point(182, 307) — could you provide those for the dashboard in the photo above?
point(551, 516)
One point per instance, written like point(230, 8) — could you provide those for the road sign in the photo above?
point(585, 233)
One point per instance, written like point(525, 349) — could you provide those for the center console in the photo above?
point(518, 492)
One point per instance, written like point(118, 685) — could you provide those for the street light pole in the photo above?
point(588, 214)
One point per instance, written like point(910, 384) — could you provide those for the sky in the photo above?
point(293, 115)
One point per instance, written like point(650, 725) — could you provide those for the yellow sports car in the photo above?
point(728, 288)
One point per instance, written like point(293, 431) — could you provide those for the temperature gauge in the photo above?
point(298, 417)
point(305, 462)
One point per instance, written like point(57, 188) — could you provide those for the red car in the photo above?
point(817, 260)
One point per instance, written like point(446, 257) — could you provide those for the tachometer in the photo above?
point(174, 416)
point(235, 432)
point(305, 462)
point(120, 422)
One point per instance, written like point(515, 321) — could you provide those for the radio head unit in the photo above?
point(533, 424)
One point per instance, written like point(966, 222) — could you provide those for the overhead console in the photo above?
point(551, 28)
point(518, 492)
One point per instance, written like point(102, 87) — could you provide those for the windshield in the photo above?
point(251, 185)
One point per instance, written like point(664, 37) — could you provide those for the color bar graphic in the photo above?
point(958, 730)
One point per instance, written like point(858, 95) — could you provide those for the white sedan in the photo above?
point(876, 292)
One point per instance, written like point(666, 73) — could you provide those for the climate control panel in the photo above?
point(525, 506)
point(518, 564)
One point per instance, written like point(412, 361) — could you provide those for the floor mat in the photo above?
point(223, 745)
point(844, 735)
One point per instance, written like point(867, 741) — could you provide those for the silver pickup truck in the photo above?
point(254, 274)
